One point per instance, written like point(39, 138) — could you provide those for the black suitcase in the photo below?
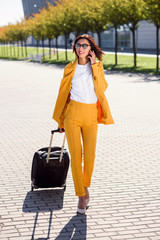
point(50, 166)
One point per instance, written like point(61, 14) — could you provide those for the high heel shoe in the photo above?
point(81, 211)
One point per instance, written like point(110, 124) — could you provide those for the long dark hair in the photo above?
point(97, 50)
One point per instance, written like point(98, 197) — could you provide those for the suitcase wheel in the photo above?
point(32, 187)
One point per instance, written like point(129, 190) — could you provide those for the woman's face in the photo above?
point(82, 48)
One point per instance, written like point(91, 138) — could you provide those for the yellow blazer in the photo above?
point(104, 115)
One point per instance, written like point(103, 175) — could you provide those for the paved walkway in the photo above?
point(125, 191)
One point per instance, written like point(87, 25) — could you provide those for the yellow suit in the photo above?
point(80, 120)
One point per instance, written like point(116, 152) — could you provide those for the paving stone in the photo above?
point(125, 187)
point(121, 237)
point(148, 234)
point(154, 238)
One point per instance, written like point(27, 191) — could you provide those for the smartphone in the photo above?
point(90, 54)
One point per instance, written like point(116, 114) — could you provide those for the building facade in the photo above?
point(31, 7)
point(145, 34)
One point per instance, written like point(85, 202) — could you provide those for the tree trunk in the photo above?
point(99, 38)
point(26, 53)
point(37, 45)
point(0, 48)
point(10, 50)
point(77, 34)
point(134, 46)
point(43, 47)
point(6, 49)
point(116, 44)
point(22, 48)
point(14, 53)
point(57, 48)
point(18, 49)
point(66, 47)
point(157, 46)
point(49, 43)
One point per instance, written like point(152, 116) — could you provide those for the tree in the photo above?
point(153, 15)
point(3, 39)
point(36, 28)
point(133, 13)
point(39, 28)
point(19, 33)
point(52, 25)
point(48, 30)
point(67, 18)
point(93, 16)
point(10, 36)
point(114, 14)
point(23, 32)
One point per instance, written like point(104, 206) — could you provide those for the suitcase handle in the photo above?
point(57, 130)
point(49, 149)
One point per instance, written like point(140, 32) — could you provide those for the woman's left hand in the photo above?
point(92, 57)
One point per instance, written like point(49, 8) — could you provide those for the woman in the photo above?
point(80, 106)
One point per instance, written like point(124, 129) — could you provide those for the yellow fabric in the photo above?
point(100, 86)
point(81, 121)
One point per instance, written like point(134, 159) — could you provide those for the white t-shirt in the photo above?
point(82, 89)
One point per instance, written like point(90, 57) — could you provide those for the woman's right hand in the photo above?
point(61, 130)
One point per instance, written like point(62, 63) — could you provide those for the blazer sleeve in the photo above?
point(58, 102)
point(57, 115)
point(99, 76)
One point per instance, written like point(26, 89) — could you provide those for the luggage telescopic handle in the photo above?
point(60, 160)
point(49, 149)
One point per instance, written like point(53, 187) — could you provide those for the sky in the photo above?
point(11, 11)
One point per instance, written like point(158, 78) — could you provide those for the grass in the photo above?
point(12, 53)
point(125, 63)
point(61, 59)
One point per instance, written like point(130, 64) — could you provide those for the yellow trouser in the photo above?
point(81, 121)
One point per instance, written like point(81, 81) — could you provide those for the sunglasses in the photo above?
point(84, 46)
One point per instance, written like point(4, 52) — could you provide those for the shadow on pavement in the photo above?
point(43, 201)
point(75, 229)
point(144, 77)
point(58, 65)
